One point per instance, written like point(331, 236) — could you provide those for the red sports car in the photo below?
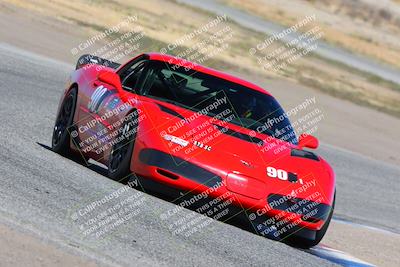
point(202, 131)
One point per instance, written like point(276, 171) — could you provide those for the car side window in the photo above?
point(130, 76)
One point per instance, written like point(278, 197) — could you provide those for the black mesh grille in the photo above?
point(298, 205)
point(179, 166)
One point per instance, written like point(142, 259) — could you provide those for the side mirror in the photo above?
point(306, 140)
point(110, 78)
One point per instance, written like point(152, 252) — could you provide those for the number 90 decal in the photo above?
point(274, 173)
point(282, 175)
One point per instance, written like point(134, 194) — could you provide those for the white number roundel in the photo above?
point(96, 98)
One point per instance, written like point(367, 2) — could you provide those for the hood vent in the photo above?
point(304, 154)
point(242, 136)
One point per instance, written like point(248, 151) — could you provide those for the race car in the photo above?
point(198, 130)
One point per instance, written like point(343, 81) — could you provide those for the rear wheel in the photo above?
point(61, 137)
point(121, 153)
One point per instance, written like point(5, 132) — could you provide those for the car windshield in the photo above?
point(214, 96)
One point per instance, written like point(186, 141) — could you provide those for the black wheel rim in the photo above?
point(118, 155)
point(63, 120)
point(120, 149)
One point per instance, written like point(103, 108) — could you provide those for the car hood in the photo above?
point(230, 148)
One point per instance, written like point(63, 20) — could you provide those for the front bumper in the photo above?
point(266, 209)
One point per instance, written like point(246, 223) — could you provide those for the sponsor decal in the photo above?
point(201, 145)
point(176, 140)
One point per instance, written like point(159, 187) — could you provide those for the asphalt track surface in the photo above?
point(40, 188)
point(324, 49)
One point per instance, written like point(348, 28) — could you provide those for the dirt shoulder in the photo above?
point(368, 244)
point(21, 249)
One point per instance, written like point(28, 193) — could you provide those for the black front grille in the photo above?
point(179, 166)
point(299, 206)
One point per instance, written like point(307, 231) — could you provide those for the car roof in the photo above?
point(184, 63)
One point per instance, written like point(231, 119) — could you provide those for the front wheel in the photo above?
point(61, 138)
point(121, 153)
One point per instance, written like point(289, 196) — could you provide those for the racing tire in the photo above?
point(61, 139)
point(121, 153)
point(301, 242)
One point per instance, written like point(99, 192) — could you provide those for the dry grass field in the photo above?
point(367, 27)
point(165, 22)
